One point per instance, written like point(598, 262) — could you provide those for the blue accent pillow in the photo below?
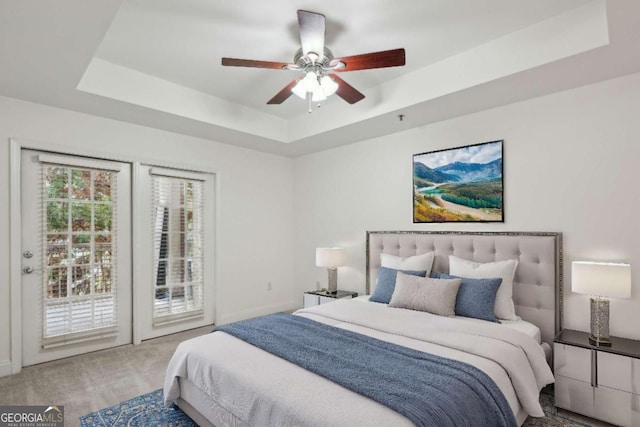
point(387, 283)
point(476, 297)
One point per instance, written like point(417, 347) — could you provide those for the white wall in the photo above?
point(254, 202)
point(571, 164)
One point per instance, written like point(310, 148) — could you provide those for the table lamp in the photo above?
point(601, 280)
point(332, 258)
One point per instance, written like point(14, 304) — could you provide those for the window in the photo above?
point(79, 227)
point(178, 240)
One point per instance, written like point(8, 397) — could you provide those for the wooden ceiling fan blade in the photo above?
point(234, 62)
point(312, 28)
point(284, 94)
point(346, 91)
point(367, 61)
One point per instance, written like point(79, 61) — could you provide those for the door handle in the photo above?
point(27, 254)
point(27, 270)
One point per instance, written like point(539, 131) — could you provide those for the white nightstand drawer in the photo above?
point(310, 300)
point(614, 393)
point(572, 362)
point(573, 395)
point(617, 407)
point(619, 372)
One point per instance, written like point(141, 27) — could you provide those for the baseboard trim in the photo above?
point(258, 311)
point(6, 368)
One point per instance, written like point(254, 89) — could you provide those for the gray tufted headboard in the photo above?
point(537, 286)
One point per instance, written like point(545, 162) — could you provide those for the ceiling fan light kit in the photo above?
point(319, 88)
point(319, 66)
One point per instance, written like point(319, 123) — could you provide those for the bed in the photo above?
point(221, 380)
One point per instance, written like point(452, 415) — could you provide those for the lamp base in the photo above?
point(599, 341)
point(599, 322)
point(333, 281)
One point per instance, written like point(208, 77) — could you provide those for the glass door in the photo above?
point(76, 242)
point(177, 275)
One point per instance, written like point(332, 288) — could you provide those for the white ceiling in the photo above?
point(157, 62)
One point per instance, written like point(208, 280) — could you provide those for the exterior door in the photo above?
point(175, 272)
point(76, 255)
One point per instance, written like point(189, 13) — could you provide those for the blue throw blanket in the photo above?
point(427, 389)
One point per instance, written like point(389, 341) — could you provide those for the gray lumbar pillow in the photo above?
point(387, 283)
point(436, 296)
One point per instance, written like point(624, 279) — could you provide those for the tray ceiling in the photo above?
point(157, 62)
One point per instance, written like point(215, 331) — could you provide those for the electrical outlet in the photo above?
point(268, 286)
point(318, 285)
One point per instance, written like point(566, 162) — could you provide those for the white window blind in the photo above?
point(178, 240)
point(79, 235)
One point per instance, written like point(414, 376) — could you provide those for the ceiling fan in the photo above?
point(319, 66)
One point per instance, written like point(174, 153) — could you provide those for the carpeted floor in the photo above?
point(553, 418)
point(148, 410)
point(87, 383)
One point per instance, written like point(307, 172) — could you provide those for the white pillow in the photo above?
point(422, 262)
point(505, 270)
point(436, 296)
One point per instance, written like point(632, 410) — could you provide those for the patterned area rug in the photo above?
point(145, 410)
point(149, 410)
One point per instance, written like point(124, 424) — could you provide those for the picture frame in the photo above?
point(461, 184)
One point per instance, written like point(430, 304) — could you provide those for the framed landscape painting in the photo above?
point(462, 184)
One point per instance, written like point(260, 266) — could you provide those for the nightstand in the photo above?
point(311, 298)
point(600, 382)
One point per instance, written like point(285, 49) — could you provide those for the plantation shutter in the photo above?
point(79, 287)
point(178, 243)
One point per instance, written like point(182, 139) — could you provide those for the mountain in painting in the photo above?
point(436, 176)
point(473, 172)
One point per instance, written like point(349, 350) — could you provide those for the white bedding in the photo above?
point(520, 325)
point(261, 389)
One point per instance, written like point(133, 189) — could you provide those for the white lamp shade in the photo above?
point(299, 90)
point(601, 279)
point(329, 86)
point(330, 257)
point(318, 95)
point(310, 82)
